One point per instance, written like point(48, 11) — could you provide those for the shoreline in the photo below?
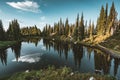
point(7, 44)
point(96, 46)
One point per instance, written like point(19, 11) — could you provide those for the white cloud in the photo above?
point(30, 6)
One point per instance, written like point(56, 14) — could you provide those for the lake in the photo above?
point(35, 54)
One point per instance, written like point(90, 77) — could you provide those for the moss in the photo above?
point(57, 74)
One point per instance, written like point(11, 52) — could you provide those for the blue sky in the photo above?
point(41, 12)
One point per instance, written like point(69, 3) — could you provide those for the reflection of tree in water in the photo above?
point(3, 56)
point(89, 50)
point(59, 46)
point(116, 64)
point(63, 48)
point(78, 53)
point(66, 49)
point(47, 43)
point(17, 48)
point(102, 61)
point(32, 40)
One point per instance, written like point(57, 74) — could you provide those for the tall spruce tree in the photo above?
point(106, 18)
point(101, 22)
point(2, 32)
point(77, 21)
point(13, 31)
point(92, 30)
point(60, 27)
point(66, 27)
point(85, 33)
point(111, 19)
point(82, 28)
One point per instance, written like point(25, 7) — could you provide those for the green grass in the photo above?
point(56, 74)
point(4, 44)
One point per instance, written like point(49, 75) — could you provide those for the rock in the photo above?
point(27, 71)
point(71, 74)
point(92, 78)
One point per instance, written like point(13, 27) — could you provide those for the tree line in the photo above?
point(30, 31)
point(15, 33)
point(12, 33)
point(107, 24)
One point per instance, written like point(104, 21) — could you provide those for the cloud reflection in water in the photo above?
point(31, 58)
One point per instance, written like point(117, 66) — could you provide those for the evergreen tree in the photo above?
point(86, 32)
point(111, 19)
point(75, 33)
point(13, 31)
point(92, 30)
point(56, 29)
point(106, 18)
point(101, 23)
point(2, 32)
point(81, 28)
point(49, 30)
point(66, 27)
point(77, 21)
point(60, 27)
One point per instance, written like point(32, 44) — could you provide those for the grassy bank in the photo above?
point(6, 44)
point(56, 74)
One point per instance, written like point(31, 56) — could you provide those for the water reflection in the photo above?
point(59, 46)
point(89, 51)
point(16, 50)
point(102, 62)
point(3, 56)
point(78, 54)
point(32, 40)
point(73, 55)
point(116, 64)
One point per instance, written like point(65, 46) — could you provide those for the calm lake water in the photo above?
point(35, 54)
